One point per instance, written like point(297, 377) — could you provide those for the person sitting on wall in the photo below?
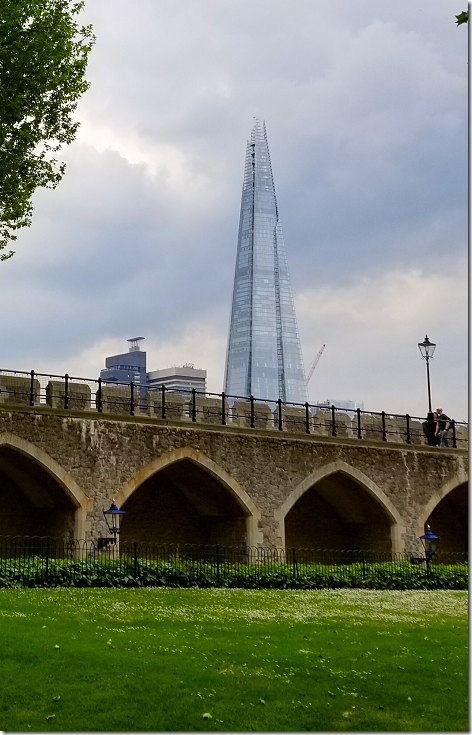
point(442, 427)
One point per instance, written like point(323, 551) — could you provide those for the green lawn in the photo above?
point(172, 659)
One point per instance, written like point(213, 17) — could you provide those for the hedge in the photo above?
point(34, 572)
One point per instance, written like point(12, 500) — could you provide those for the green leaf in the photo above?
point(462, 17)
point(43, 57)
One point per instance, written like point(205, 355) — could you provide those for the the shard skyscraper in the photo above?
point(264, 357)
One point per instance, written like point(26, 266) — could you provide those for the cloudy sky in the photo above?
point(366, 111)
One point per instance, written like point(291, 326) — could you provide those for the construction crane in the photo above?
point(314, 364)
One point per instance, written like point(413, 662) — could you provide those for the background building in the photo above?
point(348, 406)
point(131, 366)
point(182, 379)
point(127, 367)
point(264, 357)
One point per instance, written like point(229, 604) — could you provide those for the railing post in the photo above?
point(408, 434)
point(359, 428)
point(363, 565)
point(66, 391)
point(223, 409)
point(333, 420)
point(136, 563)
point(384, 433)
point(431, 429)
point(294, 562)
point(454, 442)
point(251, 398)
point(307, 418)
point(99, 396)
point(217, 564)
point(279, 405)
point(131, 385)
point(163, 401)
point(194, 405)
point(47, 560)
point(31, 398)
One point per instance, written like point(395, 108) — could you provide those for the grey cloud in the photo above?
point(365, 105)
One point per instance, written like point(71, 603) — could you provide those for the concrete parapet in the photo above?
point(242, 415)
point(16, 390)
point(209, 410)
point(116, 399)
point(79, 395)
point(174, 405)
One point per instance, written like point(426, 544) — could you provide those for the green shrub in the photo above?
point(88, 572)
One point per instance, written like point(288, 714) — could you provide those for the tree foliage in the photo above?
point(43, 57)
point(462, 17)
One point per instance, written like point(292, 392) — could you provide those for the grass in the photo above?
point(172, 659)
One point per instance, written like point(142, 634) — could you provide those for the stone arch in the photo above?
point(77, 498)
point(248, 507)
point(397, 528)
point(449, 491)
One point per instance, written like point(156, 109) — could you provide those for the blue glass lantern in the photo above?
point(430, 542)
point(113, 518)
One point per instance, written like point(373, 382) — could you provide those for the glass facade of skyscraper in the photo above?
point(264, 357)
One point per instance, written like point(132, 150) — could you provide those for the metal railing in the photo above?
point(47, 561)
point(132, 399)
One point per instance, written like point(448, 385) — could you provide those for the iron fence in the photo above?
point(87, 395)
point(47, 561)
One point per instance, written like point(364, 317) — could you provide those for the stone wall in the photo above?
point(260, 474)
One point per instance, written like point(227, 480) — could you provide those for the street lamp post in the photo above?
point(427, 350)
point(430, 543)
point(113, 518)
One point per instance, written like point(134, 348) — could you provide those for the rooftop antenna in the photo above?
point(134, 343)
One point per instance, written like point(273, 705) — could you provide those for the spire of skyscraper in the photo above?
point(264, 357)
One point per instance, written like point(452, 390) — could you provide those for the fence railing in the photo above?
point(47, 561)
point(158, 402)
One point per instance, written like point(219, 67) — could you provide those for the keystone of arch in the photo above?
point(80, 501)
point(397, 528)
point(448, 487)
point(252, 512)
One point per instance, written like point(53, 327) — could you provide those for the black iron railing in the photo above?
point(157, 402)
point(46, 561)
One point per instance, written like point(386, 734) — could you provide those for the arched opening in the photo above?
point(449, 520)
point(338, 507)
point(32, 501)
point(185, 498)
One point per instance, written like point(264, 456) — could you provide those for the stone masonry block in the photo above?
point(417, 435)
point(462, 436)
point(117, 399)
point(262, 415)
point(79, 395)
point(293, 419)
point(371, 427)
point(322, 423)
point(174, 404)
point(16, 390)
point(396, 429)
point(343, 424)
point(209, 410)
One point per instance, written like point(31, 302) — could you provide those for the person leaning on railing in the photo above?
point(443, 424)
